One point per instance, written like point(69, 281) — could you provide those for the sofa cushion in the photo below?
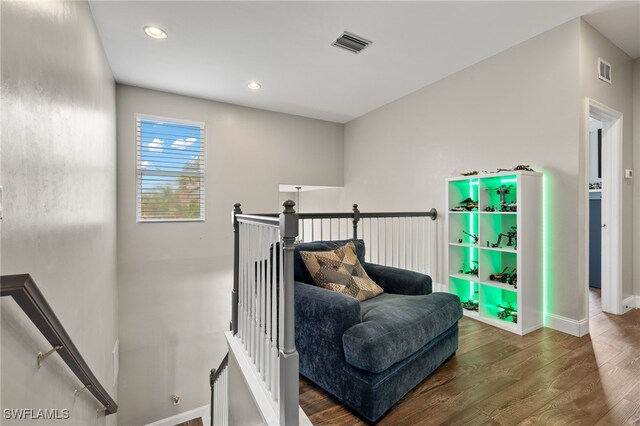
point(300, 271)
point(339, 270)
point(394, 326)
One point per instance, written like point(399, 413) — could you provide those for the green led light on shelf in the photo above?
point(509, 180)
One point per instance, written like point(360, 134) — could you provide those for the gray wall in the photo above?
point(175, 278)
point(619, 96)
point(59, 175)
point(512, 108)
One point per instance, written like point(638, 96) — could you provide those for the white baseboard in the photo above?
point(630, 303)
point(184, 417)
point(568, 325)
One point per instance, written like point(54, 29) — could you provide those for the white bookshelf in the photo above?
point(524, 254)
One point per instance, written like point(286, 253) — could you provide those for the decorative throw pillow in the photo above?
point(340, 271)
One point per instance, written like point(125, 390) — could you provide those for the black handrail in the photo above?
point(355, 215)
point(27, 295)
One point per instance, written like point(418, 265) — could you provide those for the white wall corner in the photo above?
point(568, 325)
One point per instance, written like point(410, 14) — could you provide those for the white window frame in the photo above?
point(138, 171)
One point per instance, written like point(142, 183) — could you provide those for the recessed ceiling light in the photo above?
point(155, 32)
point(254, 85)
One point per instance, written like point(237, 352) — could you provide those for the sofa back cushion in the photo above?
point(300, 271)
point(340, 270)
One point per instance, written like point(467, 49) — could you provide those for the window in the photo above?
point(170, 170)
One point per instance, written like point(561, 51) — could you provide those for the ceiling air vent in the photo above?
point(351, 42)
point(604, 71)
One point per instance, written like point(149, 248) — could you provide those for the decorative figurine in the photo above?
point(500, 276)
point(505, 312)
point(502, 191)
point(505, 277)
point(512, 238)
point(474, 237)
point(472, 270)
point(523, 167)
point(470, 305)
point(468, 204)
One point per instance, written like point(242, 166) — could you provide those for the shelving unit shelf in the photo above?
point(482, 244)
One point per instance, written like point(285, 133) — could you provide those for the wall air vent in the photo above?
point(604, 71)
point(351, 42)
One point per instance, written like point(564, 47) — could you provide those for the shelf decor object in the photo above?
point(494, 248)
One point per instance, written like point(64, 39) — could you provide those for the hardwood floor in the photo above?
point(498, 378)
point(595, 301)
point(193, 422)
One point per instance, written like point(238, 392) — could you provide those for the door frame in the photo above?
point(612, 172)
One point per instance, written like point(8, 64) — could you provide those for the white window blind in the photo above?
point(170, 170)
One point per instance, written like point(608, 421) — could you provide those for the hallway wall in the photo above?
point(59, 177)
point(175, 279)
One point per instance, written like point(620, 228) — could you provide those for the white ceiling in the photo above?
point(620, 23)
point(215, 48)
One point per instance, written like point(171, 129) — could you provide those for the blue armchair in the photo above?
point(369, 354)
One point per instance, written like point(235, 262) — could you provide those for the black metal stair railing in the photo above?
point(27, 295)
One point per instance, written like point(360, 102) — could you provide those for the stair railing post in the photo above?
point(288, 354)
point(236, 268)
point(355, 220)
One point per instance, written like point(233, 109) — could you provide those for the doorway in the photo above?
point(595, 216)
point(603, 277)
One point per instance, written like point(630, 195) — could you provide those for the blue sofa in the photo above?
point(369, 354)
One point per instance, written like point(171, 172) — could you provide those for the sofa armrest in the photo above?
point(324, 313)
point(399, 281)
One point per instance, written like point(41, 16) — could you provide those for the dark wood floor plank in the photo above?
point(590, 399)
point(478, 338)
point(624, 413)
point(193, 422)
point(516, 402)
point(530, 359)
point(634, 394)
point(498, 378)
point(467, 418)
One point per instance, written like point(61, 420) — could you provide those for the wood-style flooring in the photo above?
point(498, 378)
point(193, 422)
